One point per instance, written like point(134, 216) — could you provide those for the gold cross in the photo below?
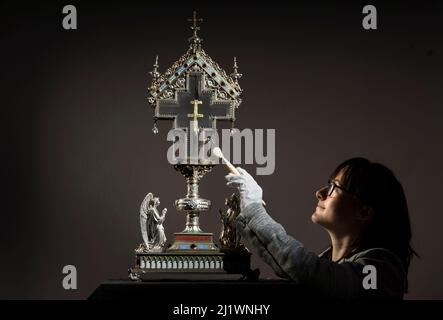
point(195, 115)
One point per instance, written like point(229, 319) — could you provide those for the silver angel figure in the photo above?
point(151, 223)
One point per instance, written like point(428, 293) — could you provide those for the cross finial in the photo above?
point(195, 40)
point(194, 21)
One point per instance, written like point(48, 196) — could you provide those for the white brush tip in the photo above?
point(217, 152)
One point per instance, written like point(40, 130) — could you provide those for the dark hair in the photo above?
point(377, 187)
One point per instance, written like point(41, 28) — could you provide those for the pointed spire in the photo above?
point(154, 73)
point(236, 75)
point(195, 40)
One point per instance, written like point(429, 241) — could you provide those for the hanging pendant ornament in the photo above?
point(155, 128)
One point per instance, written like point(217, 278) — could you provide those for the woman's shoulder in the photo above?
point(375, 253)
point(378, 257)
point(390, 273)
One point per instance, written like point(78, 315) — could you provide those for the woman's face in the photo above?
point(337, 212)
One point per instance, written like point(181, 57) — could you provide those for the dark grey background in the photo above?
point(79, 155)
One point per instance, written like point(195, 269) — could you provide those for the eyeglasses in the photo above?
point(331, 187)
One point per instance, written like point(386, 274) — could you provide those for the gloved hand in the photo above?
point(250, 191)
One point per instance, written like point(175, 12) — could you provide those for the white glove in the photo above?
point(250, 191)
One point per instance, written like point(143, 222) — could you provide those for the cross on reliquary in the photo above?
point(194, 106)
point(194, 21)
point(195, 115)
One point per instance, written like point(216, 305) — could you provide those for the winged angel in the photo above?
point(151, 223)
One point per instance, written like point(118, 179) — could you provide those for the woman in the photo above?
point(364, 210)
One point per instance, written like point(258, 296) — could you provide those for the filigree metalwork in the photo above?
point(225, 87)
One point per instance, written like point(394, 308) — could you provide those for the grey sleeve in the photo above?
point(289, 259)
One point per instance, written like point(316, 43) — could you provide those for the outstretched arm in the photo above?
point(291, 260)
